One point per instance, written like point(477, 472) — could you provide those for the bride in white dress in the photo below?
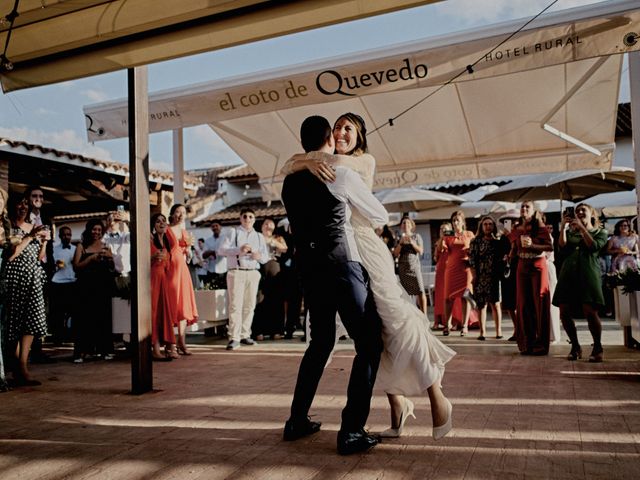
point(413, 359)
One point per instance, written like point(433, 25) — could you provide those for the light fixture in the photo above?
point(5, 63)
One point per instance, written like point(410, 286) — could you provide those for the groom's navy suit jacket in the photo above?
point(333, 281)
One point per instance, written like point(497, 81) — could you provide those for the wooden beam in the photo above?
point(141, 369)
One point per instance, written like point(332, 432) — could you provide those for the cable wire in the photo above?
point(468, 69)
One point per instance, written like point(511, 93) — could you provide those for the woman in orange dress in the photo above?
point(186, 310)
point(163, 295)
point(457, 276)
point(439, 299)
point(529, 241)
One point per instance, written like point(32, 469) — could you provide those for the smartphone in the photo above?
point(448, 233)
point(120, 208)
point(570, 212)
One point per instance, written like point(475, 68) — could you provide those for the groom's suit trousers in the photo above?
point(343, 288)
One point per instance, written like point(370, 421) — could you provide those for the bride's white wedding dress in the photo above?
point(413, 358)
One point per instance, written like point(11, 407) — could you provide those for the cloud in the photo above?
point(95, 95)
point(44, 111)
point(474, 11)
point(67, 140)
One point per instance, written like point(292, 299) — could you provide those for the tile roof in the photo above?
point(238, 172)
point(107, 166)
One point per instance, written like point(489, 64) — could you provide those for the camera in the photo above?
point(569, 212)
point(448, 233)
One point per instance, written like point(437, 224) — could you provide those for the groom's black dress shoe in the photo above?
point(293, 430)
point(355, 442)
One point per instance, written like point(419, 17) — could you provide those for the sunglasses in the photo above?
point(250, 217)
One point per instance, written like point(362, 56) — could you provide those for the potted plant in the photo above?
point(212, 303)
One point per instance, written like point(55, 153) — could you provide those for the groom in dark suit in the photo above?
point(334, 280)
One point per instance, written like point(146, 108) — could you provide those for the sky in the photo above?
point(52, 115)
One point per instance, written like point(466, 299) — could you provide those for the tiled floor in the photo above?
point(219, 414)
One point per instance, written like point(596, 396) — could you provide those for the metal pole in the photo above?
point(178, 167)
point(141, 371)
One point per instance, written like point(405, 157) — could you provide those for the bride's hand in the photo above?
point(322, 170)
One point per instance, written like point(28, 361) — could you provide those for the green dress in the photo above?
point(579, 280)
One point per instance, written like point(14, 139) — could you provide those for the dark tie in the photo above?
point(68, 246)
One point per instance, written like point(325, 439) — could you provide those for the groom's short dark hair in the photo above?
point(314, 133)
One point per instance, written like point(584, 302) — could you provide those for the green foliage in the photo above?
point(628, 279)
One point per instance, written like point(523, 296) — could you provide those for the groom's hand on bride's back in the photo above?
point(322, 170)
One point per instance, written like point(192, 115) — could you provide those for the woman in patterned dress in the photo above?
point(5, 232)
point(408, 250)
point(486, 257)
point(23, 280)
point(623, 246)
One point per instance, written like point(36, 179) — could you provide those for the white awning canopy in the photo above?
point(543, 101)
point(61, 40)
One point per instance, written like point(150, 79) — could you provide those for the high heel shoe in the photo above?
point(575, 353)
point(407, 411)
point(442, 430)
point(182, 350)
point(596, 356)
point(464, 331)
point(172, 352)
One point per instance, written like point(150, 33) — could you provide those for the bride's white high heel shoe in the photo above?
point(442, 430)
point(407, 411)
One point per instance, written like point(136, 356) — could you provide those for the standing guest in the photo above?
point(387, 236)
point(581, 237)
point(457, 277)
point(509, 222)
point(486, 258)
point(118, 238)
point(291, 281)
point(408, 251)
point(5, 232)
point(63, 287)
point(554, 333)
point(35, 199)
point(529, 241)
point(186, 310)
point(200, 263)
point(245, 250)
point(623, 247)
point(163, 291)
point(269, 314)
point(93, 263)
point(440, 255)
point(23, 280)
point(216, 264)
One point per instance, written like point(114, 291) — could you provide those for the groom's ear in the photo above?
point(331, 143)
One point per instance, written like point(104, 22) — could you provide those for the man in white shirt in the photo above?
point(245, 250)
point(63, 282)
point(118, 238)
point(216, 263)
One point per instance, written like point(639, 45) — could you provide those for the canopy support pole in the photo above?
point(178, 166)
point(578, 85)
point(634, 87)
point(141, 371)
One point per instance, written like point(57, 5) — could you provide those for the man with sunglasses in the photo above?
point(245, 249)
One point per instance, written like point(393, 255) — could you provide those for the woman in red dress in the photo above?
point(186, 310)
point(439, 299)
point(457, 276)
point(529, 241)
point(163, 295)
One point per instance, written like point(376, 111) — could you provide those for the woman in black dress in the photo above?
point(93, 264)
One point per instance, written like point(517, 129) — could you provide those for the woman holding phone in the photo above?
point(408, 251)
point(581, 237)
